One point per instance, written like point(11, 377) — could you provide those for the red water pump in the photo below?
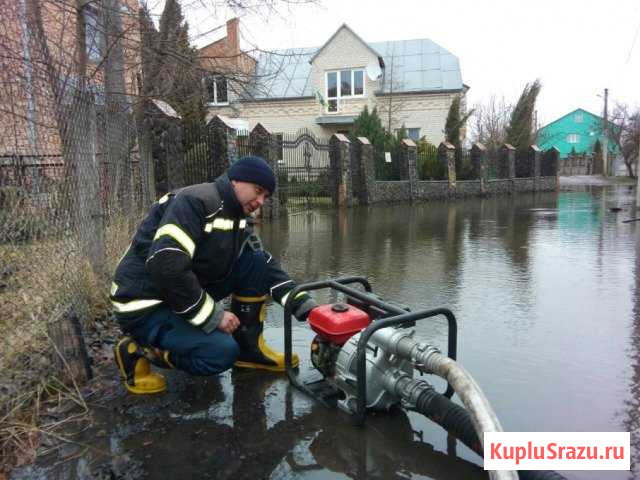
point(334, 324)
point(366, 353)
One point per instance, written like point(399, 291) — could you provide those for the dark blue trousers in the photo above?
point(191, 349)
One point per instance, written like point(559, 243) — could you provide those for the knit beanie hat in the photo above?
point(254, 170)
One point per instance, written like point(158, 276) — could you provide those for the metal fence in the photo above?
point(429, 165)
point(387, 162)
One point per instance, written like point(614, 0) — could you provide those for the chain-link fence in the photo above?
point(82, 155)
point(67, 208)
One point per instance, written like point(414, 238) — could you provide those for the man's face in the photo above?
point(250, 195)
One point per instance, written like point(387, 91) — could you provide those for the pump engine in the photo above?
point(333, 353)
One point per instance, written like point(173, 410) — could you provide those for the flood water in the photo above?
point(545, 289)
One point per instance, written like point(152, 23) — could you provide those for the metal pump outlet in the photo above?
point(366, 353)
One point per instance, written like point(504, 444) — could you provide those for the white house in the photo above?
point(411, 82)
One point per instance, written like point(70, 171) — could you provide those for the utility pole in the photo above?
point(638, 176)
point(605, 140)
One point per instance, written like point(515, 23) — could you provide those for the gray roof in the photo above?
point(418, 65)
point(284, 74)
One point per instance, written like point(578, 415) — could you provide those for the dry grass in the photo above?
point(40, 282)
point(42, 411)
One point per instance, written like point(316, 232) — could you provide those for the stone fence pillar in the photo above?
point(171, 143)
point(447, 154)
point(263, 144)
point(534, 153)
point(479, 163)
point(340, 154)
point(509, 164)
point(555, 165)
point(366, 167)
point(408, 165)
point(223, 137)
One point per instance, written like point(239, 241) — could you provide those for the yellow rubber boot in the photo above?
point(135, 369)
point(254, 351)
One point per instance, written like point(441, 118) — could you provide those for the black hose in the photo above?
point(450, 416)
point(456, 420)
point(540, 475)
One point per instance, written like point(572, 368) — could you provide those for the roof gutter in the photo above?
point(417, 92)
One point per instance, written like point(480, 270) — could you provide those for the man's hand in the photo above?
point(229, 322)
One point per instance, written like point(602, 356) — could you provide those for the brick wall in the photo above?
point(40, 137)
point(225, 56)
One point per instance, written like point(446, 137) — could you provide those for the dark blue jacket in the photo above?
point(188, 241)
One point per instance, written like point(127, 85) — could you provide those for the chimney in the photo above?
point(233, 37)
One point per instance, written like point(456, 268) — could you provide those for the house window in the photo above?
point(341, 84)
point(413, 134)
point(358, 82)
point(345, 83)
point(573, 138)
point(332, 91)
point(216, 90)
point(92, 35)
point(578, 118)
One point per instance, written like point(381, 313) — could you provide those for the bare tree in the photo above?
point(625, 135)
point(392, 103)
point(489, 122)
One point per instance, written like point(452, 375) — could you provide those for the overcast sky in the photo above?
point(576, 48)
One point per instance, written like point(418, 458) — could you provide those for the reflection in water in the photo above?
point(279, 433)
point(632, 420)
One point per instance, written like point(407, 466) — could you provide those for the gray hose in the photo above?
point(430, 360)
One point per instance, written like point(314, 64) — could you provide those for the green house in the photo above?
point(577, 130)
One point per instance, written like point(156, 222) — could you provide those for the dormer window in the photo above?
point(343, 84)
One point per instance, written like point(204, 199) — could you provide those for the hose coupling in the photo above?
point(422, 357)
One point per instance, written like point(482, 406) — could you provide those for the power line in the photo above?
point(635, 37)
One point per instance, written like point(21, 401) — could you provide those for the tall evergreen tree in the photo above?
point(171, 68)
point(369, 125)
point(455, 122)
point(520, 131)
point(452, 127)
point(148, 52)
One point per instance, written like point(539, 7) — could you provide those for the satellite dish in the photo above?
point(373, 70)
